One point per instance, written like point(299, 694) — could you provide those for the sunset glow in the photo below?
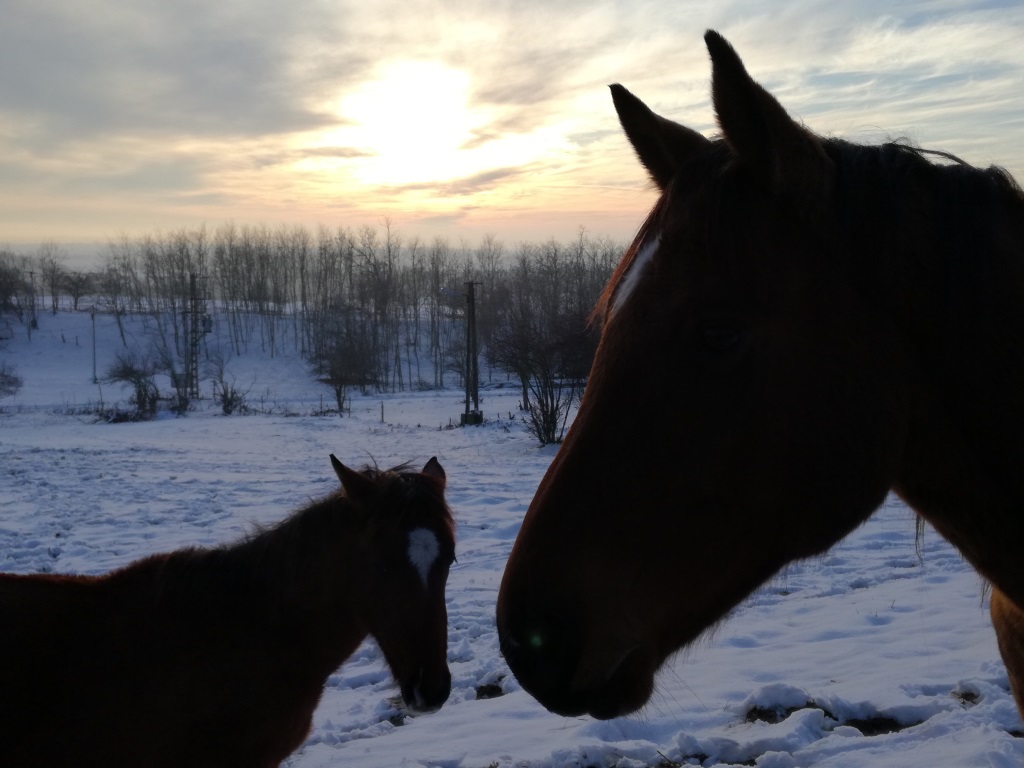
point(414, 126)
point(451, 120)
point(411, 122)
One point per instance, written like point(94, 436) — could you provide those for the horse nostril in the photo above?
point(537, 651)
point(551, 662)
point(532, 642)
point(543, 652)
point(525, 643)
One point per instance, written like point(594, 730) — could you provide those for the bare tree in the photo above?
point(542, 335)
point(444, 309)
point(491, 276)
point(51, 258)
point(10, 381)
point(117, 282)
point(77, 285)
point(367, 308)
point(12, 283)
point(347, 359)
point(226, 391)
point(136, 372)
point(515, 332)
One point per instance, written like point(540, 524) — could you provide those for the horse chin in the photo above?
point(421, 699)
point(417, 707)
point(625, 689)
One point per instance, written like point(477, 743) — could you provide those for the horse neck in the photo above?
point(959, 303)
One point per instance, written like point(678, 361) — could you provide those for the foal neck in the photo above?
point(305, 566)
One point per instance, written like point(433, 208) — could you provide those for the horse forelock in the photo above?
point(700, 182)
point(405, 488)
point(623, 278)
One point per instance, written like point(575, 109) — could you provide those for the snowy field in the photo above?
point(867, 656)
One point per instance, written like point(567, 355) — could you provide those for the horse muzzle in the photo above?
point(550, 661)
point(427, 693)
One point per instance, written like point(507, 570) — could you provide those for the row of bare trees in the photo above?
point(367, 308)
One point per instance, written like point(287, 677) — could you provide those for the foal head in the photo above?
point(746, 406)
point(406, 546)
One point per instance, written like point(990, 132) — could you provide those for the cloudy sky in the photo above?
point(451, 117)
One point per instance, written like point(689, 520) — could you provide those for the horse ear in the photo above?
point(434, 469)
point(355, 484)
point(661, 144)
point(755, 126)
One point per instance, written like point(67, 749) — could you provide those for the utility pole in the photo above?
point(198, 325)
point(92, 314)
point(33, 324)
point(472, 416)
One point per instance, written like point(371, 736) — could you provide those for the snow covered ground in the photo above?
point(868, 638)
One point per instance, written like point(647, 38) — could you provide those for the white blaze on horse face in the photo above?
point(423, 551)
point(628, 283)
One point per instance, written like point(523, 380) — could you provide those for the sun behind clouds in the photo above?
point(412, 121)
point(414, 124)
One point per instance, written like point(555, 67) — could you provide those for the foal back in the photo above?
point(185, 688)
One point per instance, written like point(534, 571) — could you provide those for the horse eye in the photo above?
point(719, 337)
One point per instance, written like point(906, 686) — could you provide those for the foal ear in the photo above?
point(434, 469)
point(356, 485)
point(661, 145)
point(755, 126)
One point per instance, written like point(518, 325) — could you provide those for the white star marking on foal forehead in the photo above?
point(423, 551)
point(627, 284)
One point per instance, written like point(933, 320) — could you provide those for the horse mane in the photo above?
point(278, 551)
point(881, 183)
point(396, 492)
point(895, 173)
point(950, 222)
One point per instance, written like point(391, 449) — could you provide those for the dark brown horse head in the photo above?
point(746, 406)
point(407, 547)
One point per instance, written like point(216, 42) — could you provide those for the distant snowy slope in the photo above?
point(866, 656)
